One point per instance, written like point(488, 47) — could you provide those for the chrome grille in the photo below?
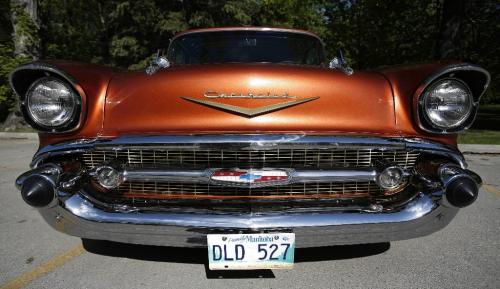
point(137, 192)
point(290, 157)
point(156, 190)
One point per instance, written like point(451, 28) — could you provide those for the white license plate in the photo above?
point(251, 251)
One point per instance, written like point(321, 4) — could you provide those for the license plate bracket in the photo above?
point(251, 251)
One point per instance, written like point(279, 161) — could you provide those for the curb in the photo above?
point(479, 149)
point(19, 135)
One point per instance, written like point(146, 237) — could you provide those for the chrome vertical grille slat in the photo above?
point(291, 158)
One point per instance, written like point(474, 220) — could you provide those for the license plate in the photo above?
point(251, 251)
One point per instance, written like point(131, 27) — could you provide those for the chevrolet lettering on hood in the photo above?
point(268, 95)
point(248, 142)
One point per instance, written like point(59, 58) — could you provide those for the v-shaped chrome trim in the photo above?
point(249, 112)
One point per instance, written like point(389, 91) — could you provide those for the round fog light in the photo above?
point(108, 177)
point(390, 178)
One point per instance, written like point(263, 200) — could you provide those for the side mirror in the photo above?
point(338, 62)
point(158, 62)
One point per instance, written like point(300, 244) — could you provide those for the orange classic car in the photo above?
point(248, 142)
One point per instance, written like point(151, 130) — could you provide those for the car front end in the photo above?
point(244, 144)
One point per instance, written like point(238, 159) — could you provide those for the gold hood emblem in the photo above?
point(249, 112)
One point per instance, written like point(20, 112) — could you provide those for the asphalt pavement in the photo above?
point(466, 254)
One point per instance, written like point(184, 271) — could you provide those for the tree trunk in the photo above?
point(26, 39)
point(25, 24)
point(450, 36)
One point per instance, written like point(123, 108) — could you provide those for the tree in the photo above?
point(75, 29)
point(372, 33)
point(450, 34)
point(24, 17)
point(20, 20)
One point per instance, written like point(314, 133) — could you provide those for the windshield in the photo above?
point(246, 47)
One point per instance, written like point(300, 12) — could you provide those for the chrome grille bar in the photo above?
point(203, 176)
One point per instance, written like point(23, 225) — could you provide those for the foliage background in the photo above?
point(372, 33)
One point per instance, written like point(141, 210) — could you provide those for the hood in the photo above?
point(285, 99)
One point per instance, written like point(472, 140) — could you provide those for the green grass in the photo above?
point(480, 137)
point(486, 128)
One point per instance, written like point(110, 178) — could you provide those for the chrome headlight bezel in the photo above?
point(69, 123)
point(477, 80)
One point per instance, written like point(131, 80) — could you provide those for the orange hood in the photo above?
point(137, 103)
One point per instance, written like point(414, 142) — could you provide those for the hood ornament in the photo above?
point(158, 62)
point(249, 112)
point(338, 62)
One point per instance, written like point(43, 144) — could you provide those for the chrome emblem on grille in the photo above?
point(250, 178)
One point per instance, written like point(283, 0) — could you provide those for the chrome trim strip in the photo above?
point(189, 176)
point(341, 175)
point(41, 66)
point(248, 142)
point(455, 68)
point(203, 176)
point(79, 217)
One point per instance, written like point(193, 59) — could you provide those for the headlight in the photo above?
point(447, 104)
point(51, 103)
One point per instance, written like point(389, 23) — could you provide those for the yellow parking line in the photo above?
point(491, 189)
point(44, 268)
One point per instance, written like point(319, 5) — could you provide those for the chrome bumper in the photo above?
point(76, 215)
point(79, 217)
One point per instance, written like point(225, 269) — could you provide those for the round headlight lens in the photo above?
point(51, 102)
point(448, 103)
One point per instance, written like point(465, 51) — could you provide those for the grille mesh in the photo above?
point(291, 158)
point(292, 190)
